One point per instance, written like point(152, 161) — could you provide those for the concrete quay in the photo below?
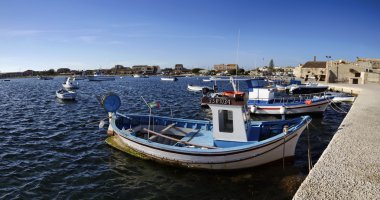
point(349, 168)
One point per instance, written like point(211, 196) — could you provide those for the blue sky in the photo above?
point(90, 34)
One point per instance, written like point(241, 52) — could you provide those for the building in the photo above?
point(225, 67)
point(314, 69)
point(178, 67)
point(361, 71)
point(145, 69)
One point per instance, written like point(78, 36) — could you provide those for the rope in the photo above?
point(337, 109)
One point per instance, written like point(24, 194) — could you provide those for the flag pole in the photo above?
point(150, 113)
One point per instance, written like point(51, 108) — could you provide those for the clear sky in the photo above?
point(90, 34)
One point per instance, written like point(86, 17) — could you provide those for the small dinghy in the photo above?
point(169, 79)
point(65, 94)
point(229, 141)
point(70, 84)
point(197, 88)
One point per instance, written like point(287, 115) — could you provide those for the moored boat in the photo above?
point(100, 77)
point(169, 79)
point(70, 84)
point(263, 100)
point(140, 76)
point(65, 94)
point(229, 141)
point(44, 77)
point(197, 88)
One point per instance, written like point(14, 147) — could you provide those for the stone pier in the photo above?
point(349, 168)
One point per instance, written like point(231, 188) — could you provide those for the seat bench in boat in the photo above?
point(199, 137)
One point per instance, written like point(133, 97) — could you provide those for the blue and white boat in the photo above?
point(265, 100)
point(229, 141)
point(98, 76)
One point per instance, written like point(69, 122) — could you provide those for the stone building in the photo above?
point(311, 69)
point(361, 71)
point(145, 69)
point(225, 67)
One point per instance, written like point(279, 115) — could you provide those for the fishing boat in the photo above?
point(65, 94)
point(213, 78)
point(44, 77)
point(197, 88)
point(340, 97)
point(230, 141)
point(169, 79)
point(266, 100)
point(98, 76)
point(140, 76)
point(70, 84)
point(308, 88)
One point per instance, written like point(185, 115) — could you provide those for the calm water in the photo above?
point(53, 149)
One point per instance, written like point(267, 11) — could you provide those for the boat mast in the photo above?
point(237, 56)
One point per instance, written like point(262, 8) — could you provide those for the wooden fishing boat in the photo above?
point(229, 141)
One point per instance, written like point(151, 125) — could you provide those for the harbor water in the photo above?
point(51, 149)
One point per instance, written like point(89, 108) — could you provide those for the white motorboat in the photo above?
point(100, 77)
point(169, 79)
point(197, 88)
point(339, 97)
point(71, 84)
point(140, 76)
point(65, 94)
point(229, 141)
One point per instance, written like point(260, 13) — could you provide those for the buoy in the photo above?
point(308, 102)
point(283, 110)
point(253, 109)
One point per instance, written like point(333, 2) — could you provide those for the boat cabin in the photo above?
point(259, 90)
point(228, 117)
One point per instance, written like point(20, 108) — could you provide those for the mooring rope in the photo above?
point(336, 109)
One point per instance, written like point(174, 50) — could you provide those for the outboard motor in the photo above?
point(205, 91)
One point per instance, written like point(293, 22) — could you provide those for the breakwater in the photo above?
point(349, 168)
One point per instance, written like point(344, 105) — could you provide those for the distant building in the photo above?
point(315, 69)
point(145, 69)
point(361, 71)
point(178, 67)
point(225, 67)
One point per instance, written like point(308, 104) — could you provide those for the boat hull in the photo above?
point(66, 96)
point(101, 78)
point(267, 109)
point(246, 156)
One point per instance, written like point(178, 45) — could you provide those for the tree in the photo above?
point(50, 72)
point(196, 70)
point(271, 66)
point(240, 71)
point(63, 70)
